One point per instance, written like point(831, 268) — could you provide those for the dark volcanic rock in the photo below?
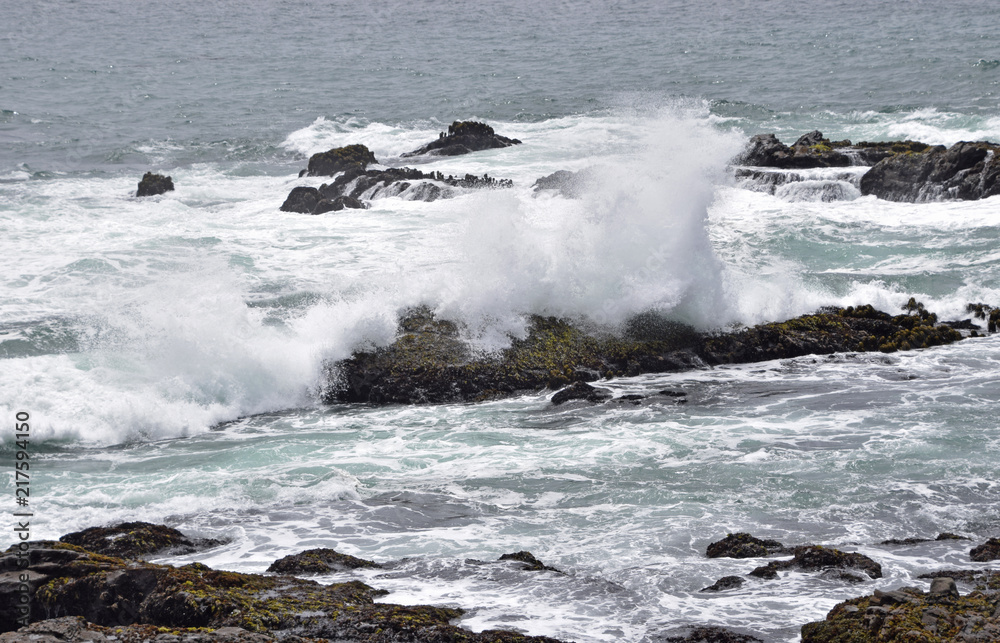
point(581, 391)
point(153, 184)
point(703, 634)
point(818, 558)
point(917, 541)
point(301, 199)
point(989, 550)
point(150, 601)
point(743, 545)
point(909, 615)
point(340, 159)
point(75, 629)
point(429, 363)
point(464, 137)
point(765, 150)
point(137, 540)
point(724, 583)
point(531, 563)
point(338, 203)
point(983, 579)
point(964, 171)
point(318, 561)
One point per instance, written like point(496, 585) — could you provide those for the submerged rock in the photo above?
point(137, 540)
point(989, 550)
point(531, 563)
point(339, 159)
point(154, 184)
point(426, 365)
point(581, 391)
point(319, 561)
point(464, 137)
point(743, 545)
point(819, 558)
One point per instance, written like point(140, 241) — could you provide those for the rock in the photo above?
point(724, 583)
point(982, 579)
point(908, 617)
point(302, 200)
point(319, 561)
point(965, 171)
point(817, 557)
point(145, 601)
point(944, 587)
point(431, 367)
point(137, 540)
point(153, 184)
point(571, 185)
point(581, 391)
point(464, 137)
point(340, 159)
point(765, 150)
point(703, 634)
point(531, 563)
point(989, 550)
point(743, 545)
point(337, 204)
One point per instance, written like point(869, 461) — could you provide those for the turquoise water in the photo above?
point(170, 349)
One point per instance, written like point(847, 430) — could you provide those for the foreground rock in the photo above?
point(530, 563)
point(703, 634)
point(464, 137)
point(154, 184)
point(319, 561)
point(339, 159)
point(910, 615)
point(963, 171)
point(743, 545)
point(825, 559)
point(430, 363)
point(350, 187)
point(66, 580)
point(137, 540)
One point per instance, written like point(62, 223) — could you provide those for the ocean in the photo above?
point(169, 350)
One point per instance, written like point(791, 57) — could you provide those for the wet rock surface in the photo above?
point(813, 150)
point(704, 634)
point(430, 363)
point(339, 159)
point(725, 583)
point(826, 559)
point(319, 561)
point(530, 563)
point(743, 545)
point(989, 550)
point(153, 184)
point(965, 171)
point(137, 540)
point(464, 137)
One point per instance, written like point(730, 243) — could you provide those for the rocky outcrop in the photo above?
point(724, 583)
point(917, 541)
point(989, 550)
point(137, 540)
point(743, 545)
point(529, 562)
point(826, 559)
point(813, 150)
point(908, 615)
point(355, 184)
point(308, 200)
point(143, 601)
point(154, 184)
point(581, 391)
point(339, 159)
point(430, 363)
point(963, 171)
point(703, 634)
point(464, 137)
point(319, 561)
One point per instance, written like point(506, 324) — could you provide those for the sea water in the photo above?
point(169, 350)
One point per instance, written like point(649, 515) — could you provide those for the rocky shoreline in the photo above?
point(58, 591)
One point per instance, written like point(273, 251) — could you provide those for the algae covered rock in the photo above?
point(703, 634)
point(964, 171)
point(819, 558)
point(464, 137)
point(989, 550)
point(743, 545)
point(319, 561)
point(154, 184)
point(137, 540)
